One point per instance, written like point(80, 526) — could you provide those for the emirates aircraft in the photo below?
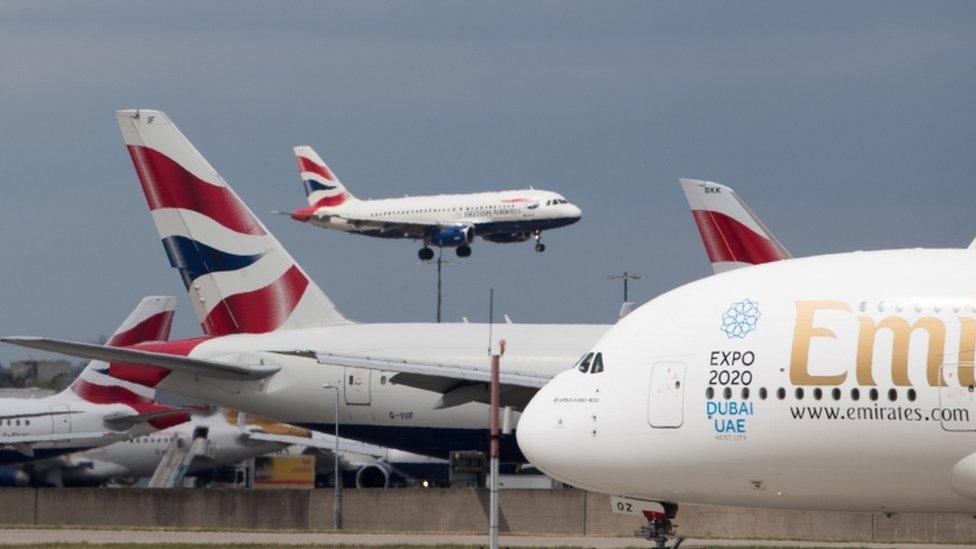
point(96, 409)
point(273, 339)
point(450, 220)
point(835, 382)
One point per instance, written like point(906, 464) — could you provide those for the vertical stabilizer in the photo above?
point(733, 235)
point(322, 187)
point(239, 277)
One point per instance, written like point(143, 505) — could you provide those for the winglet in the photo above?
point(733, 235)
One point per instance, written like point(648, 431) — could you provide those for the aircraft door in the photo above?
point(957, 400)
point(666, 399)
point(60, 419)
point(356, 385)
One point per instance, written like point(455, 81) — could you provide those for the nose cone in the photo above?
point(575, 212)
point(554, 430)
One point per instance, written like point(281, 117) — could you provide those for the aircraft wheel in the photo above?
point(425, 254)
point(463, 250)
point(540, 247)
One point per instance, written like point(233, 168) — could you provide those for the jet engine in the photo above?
point(14, 476)
point(507, 238)
point(454, 235)
point(375, 475)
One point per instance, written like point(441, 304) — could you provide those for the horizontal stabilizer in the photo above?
point(202, 367)
point(126, 422)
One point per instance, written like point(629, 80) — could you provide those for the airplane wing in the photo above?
point(23, 443)
point(203, 367)
point(457, 384)
point(345, 446)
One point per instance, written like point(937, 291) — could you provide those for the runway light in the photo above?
point(426, 484)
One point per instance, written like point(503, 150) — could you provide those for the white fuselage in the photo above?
point(139, 457)
point(61, 415)
point(808, 384)
point(372, 408)
point(519, 210)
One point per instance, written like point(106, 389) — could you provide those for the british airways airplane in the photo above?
point(450, 220)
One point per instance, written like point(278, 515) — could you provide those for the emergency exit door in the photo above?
point(666, 400)
point(356, 385)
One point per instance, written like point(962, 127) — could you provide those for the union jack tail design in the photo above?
point(149, 321)
point(239, 277)
point(322, 187)
point(733, 235)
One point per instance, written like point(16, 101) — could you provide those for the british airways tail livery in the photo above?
point(97, 409)
point(240, 278)
point(733, 235)
point(441, 221)
point(835, 382)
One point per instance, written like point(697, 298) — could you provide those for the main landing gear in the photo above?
point(660, 529)
point(425, 254)
point(539, 246)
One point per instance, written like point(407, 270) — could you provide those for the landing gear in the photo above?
point(659, 527)
point(539, 246)
point(463, 250)
point(425, 254)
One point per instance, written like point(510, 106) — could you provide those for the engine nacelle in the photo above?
point(455, 235)
point(507, 238)
point(14, 476)
point(374, 475)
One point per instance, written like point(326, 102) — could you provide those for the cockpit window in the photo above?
point(584, 363)
point(597, 364)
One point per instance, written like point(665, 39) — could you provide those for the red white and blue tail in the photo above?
point(149, 321)
point(239, 277)
point(733, 235)
point(322, 187)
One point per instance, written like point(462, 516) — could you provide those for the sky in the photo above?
point(845, 125)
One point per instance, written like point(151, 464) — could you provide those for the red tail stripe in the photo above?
point(166, 184)
point(729, 240)
point(259, 311)
point(154, 328)
point(151, 376)
point(115, 394)
point(307, 165)
point(306, 213)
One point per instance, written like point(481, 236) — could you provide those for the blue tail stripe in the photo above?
point(194, 259)
point(311, 186)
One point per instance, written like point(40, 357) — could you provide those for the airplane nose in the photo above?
point(550, 433)
point(575, 212)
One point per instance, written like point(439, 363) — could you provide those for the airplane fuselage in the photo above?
point(372, 408)
point(833, 382)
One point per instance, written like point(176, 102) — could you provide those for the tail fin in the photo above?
point(733, 235)
point(322, 187)
point(149, 321)
point(239, 277)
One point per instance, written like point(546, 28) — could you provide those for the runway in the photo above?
point(17, 536)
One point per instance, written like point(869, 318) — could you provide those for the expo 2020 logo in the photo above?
point(740, 319)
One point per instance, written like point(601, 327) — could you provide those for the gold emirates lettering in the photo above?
point(805, 331)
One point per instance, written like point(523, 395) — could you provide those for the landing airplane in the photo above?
point(835, 382)
point(450, 220)
point(273, 338)
point(96, 409)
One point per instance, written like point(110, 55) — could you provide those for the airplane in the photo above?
point(450, 220)
point(95, 409)
point(734, 236)
point(839, 382)
point(230, 438)
point(273, 338)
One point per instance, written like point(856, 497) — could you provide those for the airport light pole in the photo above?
point(441, 263)
point(626, 277)
point(494, 448)
point(337, 498)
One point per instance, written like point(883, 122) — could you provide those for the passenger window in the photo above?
point(584, 365)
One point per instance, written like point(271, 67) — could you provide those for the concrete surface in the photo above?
point(571, 513)
point(135, 537)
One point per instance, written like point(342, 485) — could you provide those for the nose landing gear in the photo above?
point(539, 246)
point(660, 529)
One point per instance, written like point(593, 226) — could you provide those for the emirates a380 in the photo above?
point(443, 221)
point(835, 382)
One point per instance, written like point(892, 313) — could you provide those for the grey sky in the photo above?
point(846, 125)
